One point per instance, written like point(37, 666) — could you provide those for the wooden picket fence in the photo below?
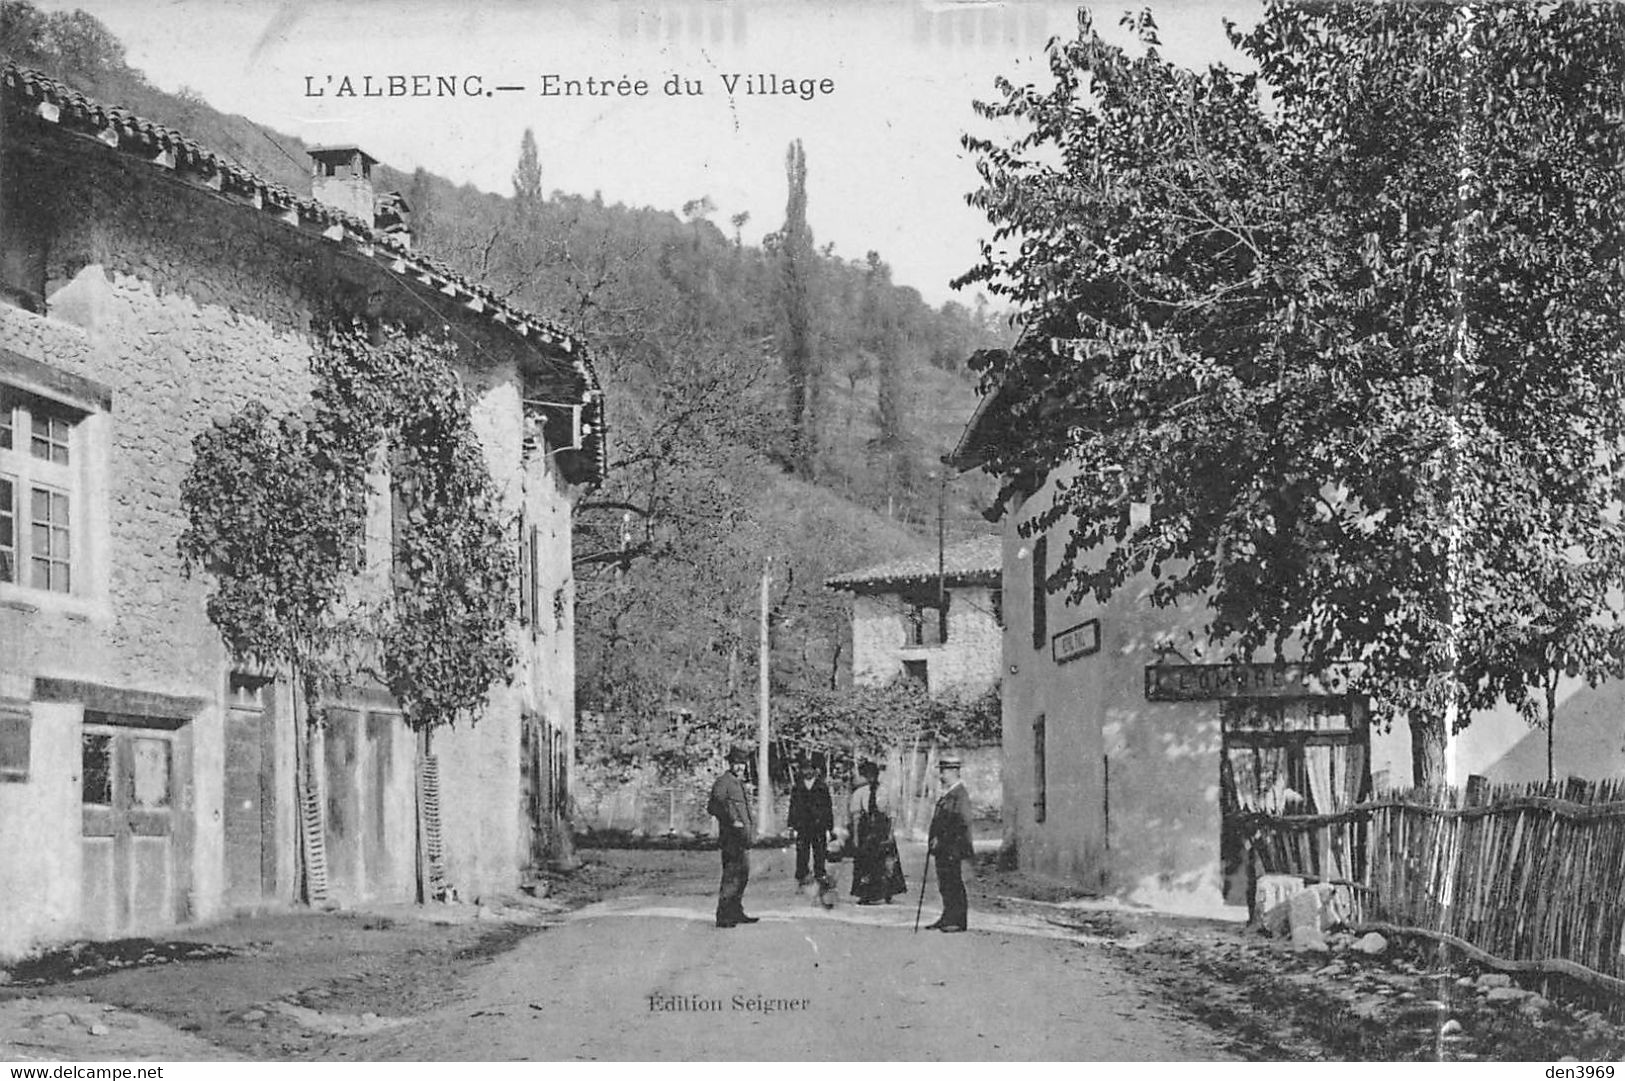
point(1520, 877)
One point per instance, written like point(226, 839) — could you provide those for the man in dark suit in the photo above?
point(735, 830)
point(950, 844)
point(812, 820)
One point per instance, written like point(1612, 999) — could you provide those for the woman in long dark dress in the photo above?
point(877, 872)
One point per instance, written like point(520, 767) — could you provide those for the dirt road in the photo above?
point(652, 977)
point(640, 972)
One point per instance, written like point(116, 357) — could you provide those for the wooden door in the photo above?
point(535, 769)
point(250, 793)
point(378, 861)
point(127, 789)
point(341, 751)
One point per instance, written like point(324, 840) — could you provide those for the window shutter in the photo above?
point(15, 740)
point(527, 584)
point(1040, 775)
point(1040, 593)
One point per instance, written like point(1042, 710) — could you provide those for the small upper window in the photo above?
point(925, 625)
point(96, 769)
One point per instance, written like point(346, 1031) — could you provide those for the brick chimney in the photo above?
point(341, 177)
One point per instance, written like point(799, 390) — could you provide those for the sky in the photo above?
point(891, 84)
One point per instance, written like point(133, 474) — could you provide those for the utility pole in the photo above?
point(764, 784)
point(942, 576)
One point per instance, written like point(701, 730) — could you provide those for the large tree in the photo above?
point(800, 355)
point(1359, 347)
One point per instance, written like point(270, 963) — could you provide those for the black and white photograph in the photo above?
point(842, 531)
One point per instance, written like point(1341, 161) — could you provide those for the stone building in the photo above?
point(942, 630)
point(1127, 764)
point(150, 288)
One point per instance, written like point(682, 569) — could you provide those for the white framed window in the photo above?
point(40, 498)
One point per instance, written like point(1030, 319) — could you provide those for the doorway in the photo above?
point(127, 782)
point(1290, 756)
point(251, 792)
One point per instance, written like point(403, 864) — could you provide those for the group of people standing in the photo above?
point(877, 870)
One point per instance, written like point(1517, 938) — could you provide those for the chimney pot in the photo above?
point(341, 177)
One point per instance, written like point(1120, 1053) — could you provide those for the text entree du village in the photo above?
point(553, 85)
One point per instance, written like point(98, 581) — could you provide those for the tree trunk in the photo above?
point(1551, 724)
point(1427, 750)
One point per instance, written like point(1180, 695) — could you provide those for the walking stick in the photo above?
point(923, 872)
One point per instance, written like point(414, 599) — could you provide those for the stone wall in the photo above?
point(968, 662)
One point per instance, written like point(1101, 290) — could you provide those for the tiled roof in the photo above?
point(165, 148)
point(971, 450)
point(977, 561)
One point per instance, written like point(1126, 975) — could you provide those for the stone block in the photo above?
point(1305, 911)
point(1277, 921)
point(1371, 944)
point(1274, 890)
point(1314, 910)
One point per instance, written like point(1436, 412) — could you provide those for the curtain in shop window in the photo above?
point(1334, 781)
point(1260, 776)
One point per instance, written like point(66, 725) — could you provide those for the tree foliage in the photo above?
point(875, 720)
point(279, 536)
point(1346, 345)
point(800, 354)
point(527, 180)
point(277, 516)
point(65, 43)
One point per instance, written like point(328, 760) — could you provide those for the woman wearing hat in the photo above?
point(877, 873)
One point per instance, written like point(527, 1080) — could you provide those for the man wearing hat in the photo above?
point(950, 843)
point(735, 830)
point(812, 820)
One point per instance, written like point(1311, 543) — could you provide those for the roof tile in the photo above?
point(975, 561)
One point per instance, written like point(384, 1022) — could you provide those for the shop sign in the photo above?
point(1075, 642)
point(1199, 682)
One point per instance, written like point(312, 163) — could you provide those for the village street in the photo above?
point(643, 975)
point(1041, 975)
point(652, 977)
